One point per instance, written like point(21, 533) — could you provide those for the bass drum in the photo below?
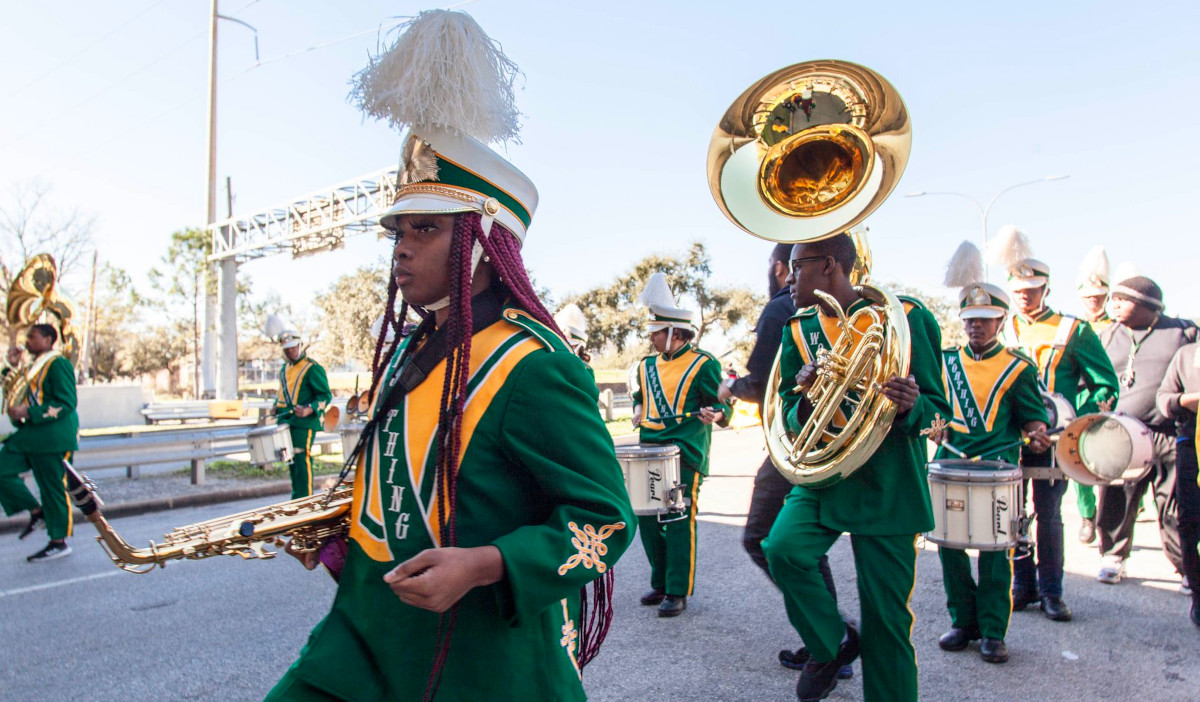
point(1105, 448)
point(976, 504)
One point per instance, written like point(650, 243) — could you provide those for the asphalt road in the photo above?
point(225, 629)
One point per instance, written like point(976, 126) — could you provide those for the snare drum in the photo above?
point(270, 444)
point(1105, 448)
point(350, 433)
point(976, 504)
point(651, 477)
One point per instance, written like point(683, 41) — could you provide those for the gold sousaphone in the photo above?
point(806, 153)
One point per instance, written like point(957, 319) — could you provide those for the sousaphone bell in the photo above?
point(806, 153)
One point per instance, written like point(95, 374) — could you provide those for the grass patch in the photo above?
point(620, 427)
point(242, 470)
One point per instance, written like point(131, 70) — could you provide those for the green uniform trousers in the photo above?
point(671, 547)
point(301, 468)
point(292, 689)
point(886, 568)
point(988, 604)
point(1085, 499)
point(51, 481)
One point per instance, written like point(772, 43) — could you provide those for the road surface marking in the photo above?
point(60, 583)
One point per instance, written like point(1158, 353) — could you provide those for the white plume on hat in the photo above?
point(274, 326)
point(1009, 247)
point(664, 310)
point(1093, 278)
point(1125, 270)
point(965, 266)
point(657, 292)
point(443, 71)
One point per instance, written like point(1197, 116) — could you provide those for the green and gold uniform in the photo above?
point(1071, 362)
point(302, 383)
point(994, 395)
point(884, 505)
point(1085, 495)
point(670, 385)
point(41, 443)
point(538, 478)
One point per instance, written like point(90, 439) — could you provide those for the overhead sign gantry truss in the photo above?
point(312, 224)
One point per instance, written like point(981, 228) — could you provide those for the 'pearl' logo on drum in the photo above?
point(999, 509)
point(655, 477)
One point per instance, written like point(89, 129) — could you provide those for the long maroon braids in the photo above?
point(502, 250)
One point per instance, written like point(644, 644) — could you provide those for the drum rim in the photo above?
point(647, 450)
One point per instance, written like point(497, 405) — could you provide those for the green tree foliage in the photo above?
point(943, 308)
point(348, 308)
point(114, 320)
point(615, 316)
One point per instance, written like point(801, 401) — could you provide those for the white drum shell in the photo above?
point(350, 433)
point(1106, 448)
point(650, 472)
point(975, 506)
point(270, 444)
point(1060, 411)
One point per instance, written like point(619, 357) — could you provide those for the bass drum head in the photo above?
point(1106, 449)
point(1060, 411)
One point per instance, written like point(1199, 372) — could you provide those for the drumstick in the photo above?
point(685, 415)
point(951, 449)
point(1023, 442)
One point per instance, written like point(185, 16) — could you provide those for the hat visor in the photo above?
point(982, 313)
point(291, 344)
point(1092, 291)
point(423, 204)
point(659, 326)
point(1036, 281)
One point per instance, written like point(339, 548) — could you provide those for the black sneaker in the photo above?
point(818, 679)
point(54, 549)
point(36, 519)
point(795, 660)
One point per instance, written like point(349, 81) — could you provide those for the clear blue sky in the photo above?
point(619, 100)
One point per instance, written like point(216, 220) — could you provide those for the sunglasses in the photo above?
point(797, 263)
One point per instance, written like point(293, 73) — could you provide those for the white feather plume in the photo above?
point(965, 266)
point(1095, 263)
point(274, 326)
point(1009, 248)
point(657, 292)
point(443, 70)
point(1125, 270)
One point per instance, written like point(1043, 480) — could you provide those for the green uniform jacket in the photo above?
point(53, 424)
point(302, 384)
point(677, 384)
point(1070, 359)
point(994, 395)
point(889, 494)
point(538, 479)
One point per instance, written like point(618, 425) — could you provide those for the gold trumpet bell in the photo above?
point(809, 151)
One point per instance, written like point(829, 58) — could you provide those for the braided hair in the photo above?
point(502, 250)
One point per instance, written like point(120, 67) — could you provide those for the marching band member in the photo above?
point(1069, 357)
point(47, 433)
point(1179, 398)
point(487, 492)
point(1141, 342)
point(996, 400)
point(675, 402)
point(884, 505)
point(303, 396)
point(770, 487)
point(1092, 287)
point(571, 320)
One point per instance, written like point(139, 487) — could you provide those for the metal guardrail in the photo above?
point(183, 410)
point(187, 444)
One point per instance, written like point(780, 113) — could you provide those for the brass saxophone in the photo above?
point(309, 521)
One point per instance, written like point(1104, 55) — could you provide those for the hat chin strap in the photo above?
point(485, 222)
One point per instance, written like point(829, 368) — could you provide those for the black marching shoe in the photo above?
point(817, 679)
point(1021, 600)
point(993, 650)
point(36, 519)
point(1055, 609)
point(54, 549)
point(957, 639)
point(1087, 531)
point(672, 606)
point(654, 596)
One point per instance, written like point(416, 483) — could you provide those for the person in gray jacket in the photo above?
point(1178, 398)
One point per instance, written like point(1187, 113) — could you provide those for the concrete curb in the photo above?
point(158, 504)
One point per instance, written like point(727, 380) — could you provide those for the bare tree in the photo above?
point(30, 224)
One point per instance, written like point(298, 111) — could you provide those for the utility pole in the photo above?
point(208, 364)
point(227, 355)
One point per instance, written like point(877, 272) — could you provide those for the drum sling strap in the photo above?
point(655, 387)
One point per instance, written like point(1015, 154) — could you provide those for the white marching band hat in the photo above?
point(664, 311)
point(976, 299)
point(1011, 250)
point(1093, 276)
point(275, 328)
point(571, 320)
